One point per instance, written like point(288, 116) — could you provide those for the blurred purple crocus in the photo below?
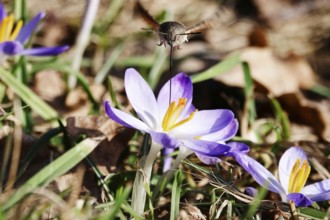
point(293, 172)
point(13, 37)
point(177, 124)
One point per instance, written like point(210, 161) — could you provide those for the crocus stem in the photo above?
point(142, 178)
point(183, 153)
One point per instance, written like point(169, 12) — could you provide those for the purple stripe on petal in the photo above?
point(28, 28)
point(319, 197)
point(164, 139)
point(208, 160)
point(206, 148)
point(224, 134)
point(286, 163)
point(299, 199)
point(11, 48)
point(181, 87)
point(205, 122)
point(142, 98)
point(237, 147)
point(167, 159)
point(259, 173)
point(253, 192)
point(124, 119)
point(317, 191)
point(265, 178)
point(2, 12)
point(44, 51)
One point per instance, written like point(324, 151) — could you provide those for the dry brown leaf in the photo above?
point(191, 212)
point(87, 125)
point(75, 98)
point(276, 12)
point(49, 85)
point(276, 75)
point(78, 102)
point(296, 27)
point(107, 154)
point(284, 79)
point(306, 112)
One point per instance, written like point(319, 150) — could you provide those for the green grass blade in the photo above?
point(99, 176)
point(127, 208)
point(110, 16)
point(20, 10)
point(112, 94)
point(5, 159)
point(311, 213)
point(282, 118)
point(36, 147)
point(220, 68)
point(101, 75)
point(158, 65)
point(28, 96)
point(2, 92)
point(253, 208)
point(10, 113)
point(321, 90)
point(249, 94)
point(116, 206)
point(230, 210)
point(53, 170)
point(159, 62)
point(176, 195)
point(140, 61)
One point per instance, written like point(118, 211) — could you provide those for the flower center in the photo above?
point(298, 177)
point(173, 113)
point(7, 31)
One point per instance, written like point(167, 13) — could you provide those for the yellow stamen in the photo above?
point(173, 113)
point(9, 27)
point(6, 28)
point(3, 29)
point(18, 28)
point(298, 177)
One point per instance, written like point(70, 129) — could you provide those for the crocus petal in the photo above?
point(320, 197)
point(259, 173)
point(286, 163)
point(205, 122)
point(206, 148)
point(167, 159)
point(28, 28)
point(125, 119)
point(2, 12)
point(237, 147)
point(181, 87)
point(44, 51)
point(319, 191)
point(208, 160)
point(10, 48)
point(224, 134)
point(251, 191)
point(164, 139)
point(142, 98)
point(299, 199)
